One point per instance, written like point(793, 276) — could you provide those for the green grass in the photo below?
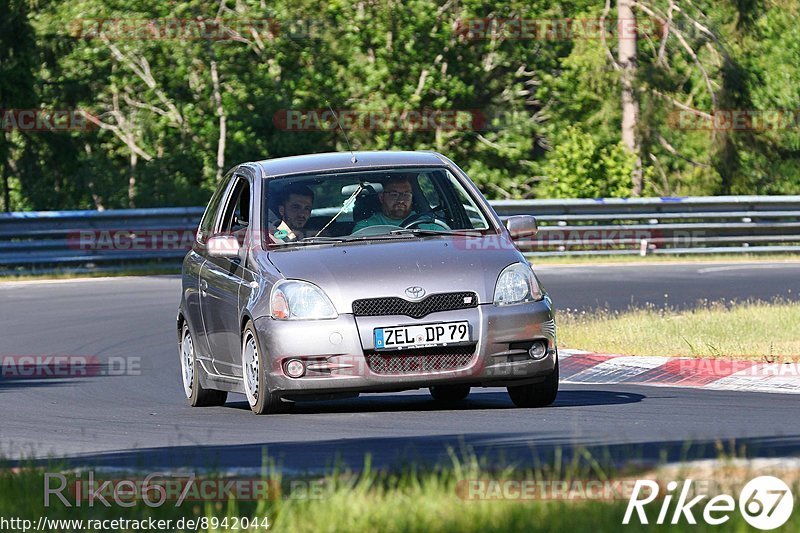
point(409, 501)
point(676, 258)
point(749, 330)
point(133, 270)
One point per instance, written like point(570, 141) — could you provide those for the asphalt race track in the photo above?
point(619, 287)
point(142, 420)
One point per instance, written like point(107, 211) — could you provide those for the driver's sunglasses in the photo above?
point(394, 195)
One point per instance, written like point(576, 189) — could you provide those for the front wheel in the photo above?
point(254, 370)
point(537, 394)
point(196, 395)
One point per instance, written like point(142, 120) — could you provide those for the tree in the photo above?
point(17, 64)
point(627, 50)
point(553, 115)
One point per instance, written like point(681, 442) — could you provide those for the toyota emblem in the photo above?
point(415, 293)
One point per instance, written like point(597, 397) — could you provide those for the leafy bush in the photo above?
point(579, 167)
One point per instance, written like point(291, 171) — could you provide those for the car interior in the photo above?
point(352, 198)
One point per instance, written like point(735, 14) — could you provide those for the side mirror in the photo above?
point(223, 246)
point(522, 226)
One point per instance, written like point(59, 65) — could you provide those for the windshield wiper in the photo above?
point(346, 238)
point(394, 234)
point(319, 238)
point(312, 240)
point(420, 231)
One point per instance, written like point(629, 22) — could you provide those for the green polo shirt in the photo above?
point(379, 219)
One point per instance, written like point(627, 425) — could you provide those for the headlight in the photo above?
point(517, 284)
point(300, 300)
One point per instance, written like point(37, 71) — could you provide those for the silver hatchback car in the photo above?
point(323, 276)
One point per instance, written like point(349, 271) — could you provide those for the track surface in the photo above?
point(142, 420)
point(677, 285)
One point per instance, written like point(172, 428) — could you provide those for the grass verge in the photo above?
point(460, 497)
point(764, 331)
point(650, 259)
point(132, 270)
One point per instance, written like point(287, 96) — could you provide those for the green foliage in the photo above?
point(579, 167)
point(547, 110)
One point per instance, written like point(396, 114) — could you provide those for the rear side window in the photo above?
point(210, 216)
point(237, 210)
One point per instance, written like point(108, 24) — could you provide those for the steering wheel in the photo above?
point(419, 218)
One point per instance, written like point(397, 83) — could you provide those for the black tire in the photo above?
point(196, 394)
point(537, 394)
point(449, 393)
point(264, 401)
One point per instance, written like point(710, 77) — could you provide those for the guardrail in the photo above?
point(95, 240)
point(681, 225)
point(733, 224)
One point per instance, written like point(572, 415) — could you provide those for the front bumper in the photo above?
point(335, 351)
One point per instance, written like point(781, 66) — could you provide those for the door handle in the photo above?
point(203, 287)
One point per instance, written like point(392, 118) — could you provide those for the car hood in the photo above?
point(387, 268)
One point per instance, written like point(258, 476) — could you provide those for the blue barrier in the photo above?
point(668, 225)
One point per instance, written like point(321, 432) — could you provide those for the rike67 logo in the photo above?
point(765, 503)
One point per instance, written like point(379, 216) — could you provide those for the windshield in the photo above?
point(369, 205)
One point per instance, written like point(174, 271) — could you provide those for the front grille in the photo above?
point(391, 305)
point(420, 361)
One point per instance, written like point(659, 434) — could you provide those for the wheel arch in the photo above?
point(246, 318)
point(181, 320)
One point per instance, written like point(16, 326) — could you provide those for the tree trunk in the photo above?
point(5, 147)
point(626, 31)
point(223, 124)
point(132, 181)
point(6, 191)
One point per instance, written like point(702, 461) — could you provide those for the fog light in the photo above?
point(537, 350)
point(295, 368)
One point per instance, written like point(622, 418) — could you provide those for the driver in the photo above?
point(396, 200)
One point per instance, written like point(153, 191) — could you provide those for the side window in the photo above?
point(465, 203)
point(429, 190)
point(210, 216)
point(236, 215)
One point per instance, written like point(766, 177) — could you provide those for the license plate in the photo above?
point(421, 336)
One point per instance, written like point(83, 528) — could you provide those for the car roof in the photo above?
point(332, 161)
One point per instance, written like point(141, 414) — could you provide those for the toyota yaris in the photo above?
point(324, 276)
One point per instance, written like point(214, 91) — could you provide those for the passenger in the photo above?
point(294, 211)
